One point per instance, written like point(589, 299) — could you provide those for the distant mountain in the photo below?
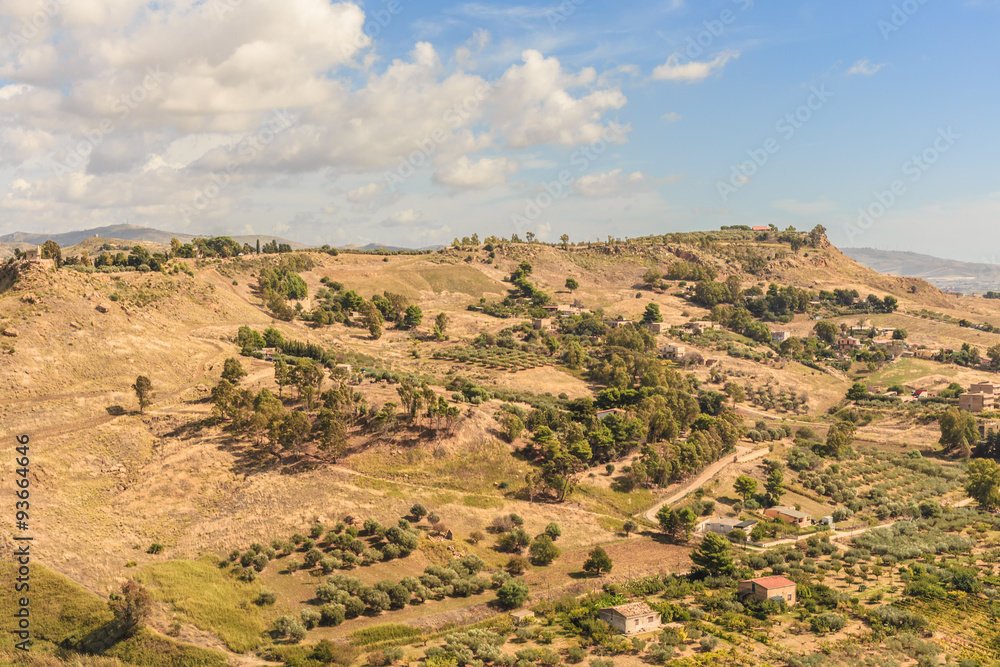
point(130, 233)
point(388, 248)
point(947, 274)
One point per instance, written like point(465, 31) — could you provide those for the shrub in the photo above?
point(708, 643)
point(827, 622)
point(332, 614)
point(265, 598)
point(310, 618)
point(512, 594)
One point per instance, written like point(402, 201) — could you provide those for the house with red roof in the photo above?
point(768, 588)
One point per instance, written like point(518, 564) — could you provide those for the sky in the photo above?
point(410, 123)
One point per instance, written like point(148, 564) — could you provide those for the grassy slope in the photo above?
point(64, 614)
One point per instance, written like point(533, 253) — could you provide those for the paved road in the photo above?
point(704, 476)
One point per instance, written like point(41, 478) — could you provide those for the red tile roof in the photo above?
point(773, 582)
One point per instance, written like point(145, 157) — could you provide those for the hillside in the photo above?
point(126, 233)
point(191, 473)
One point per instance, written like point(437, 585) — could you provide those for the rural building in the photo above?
point(759, 228)
point(269, 353)
point(975, 402)
point(789, 515)
point(618, 322)
point(700, 327)
point(780, 336)
point(33, 254)
point(541, 323)
point(988, 427)
point(768, 588)
point(923, 393)
point(672, 351)
point(631, 618)
point(602, 414)
point(924, 354)
point(985, 388)
point(657, 327)
point(848, 343)
point(522, 616)
point(724, 525)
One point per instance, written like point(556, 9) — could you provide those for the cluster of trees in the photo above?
point(336, 306)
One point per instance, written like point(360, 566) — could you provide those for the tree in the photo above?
point(51, 250)
point(572, 284)
point(838, 441)
point(143, 391)
point(826, 331)
point(629, 527)
point(553, 530)
point(130, 607)
point(775, 485)
point(983, 483)
point(543, 550)
point(414, 315)
point(958, 429)
point(899, 334)
point(280, 374)
point(598, 561)
point(373, 320)
point(233, 370)
point(564, 240)
point(816, 235)
point(745, 487)
point(652, 314)
point(441, 323)
point(857, 392)
point(677, 524)
point(512, 594)
point(713, 555)
point(735, 392)
point(418, 511)
point(994, 354)
point(513, 426)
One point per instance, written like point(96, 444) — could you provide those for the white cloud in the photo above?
point(865, 68)
point(615, 183)
point(533, 104)
point(366, 193)
point(671, 117)
point(674, 70)
point(404, 218)
point(822, 205)
point(485, 173)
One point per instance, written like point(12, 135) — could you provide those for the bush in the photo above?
point(575, 655)
point(708, 643)
point(512, 594)
point(827, 622)
point(310, 618)
point(265, 598)
point(333, 614)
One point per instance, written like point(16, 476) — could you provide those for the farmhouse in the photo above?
point(269, 353)
point(33, 254)
point(848, 343)
point(780, 336)
point(976, 402)
point(768, 588)
point(990, 388)
point(541, 323)
point(618, 322)
point(724, 525)
point(631, 618)
point(700, 327)
point(759, 228)
point(789, 515)
point(657, 327)
point(672, 351)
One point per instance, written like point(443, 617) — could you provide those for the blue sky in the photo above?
point(409, 123)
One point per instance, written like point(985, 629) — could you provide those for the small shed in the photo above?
point(522, 616)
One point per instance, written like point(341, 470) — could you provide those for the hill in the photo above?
point(947, 274)
point(424, 363)
point(127, 233)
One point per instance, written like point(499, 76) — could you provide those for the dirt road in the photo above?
point(742, 455)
